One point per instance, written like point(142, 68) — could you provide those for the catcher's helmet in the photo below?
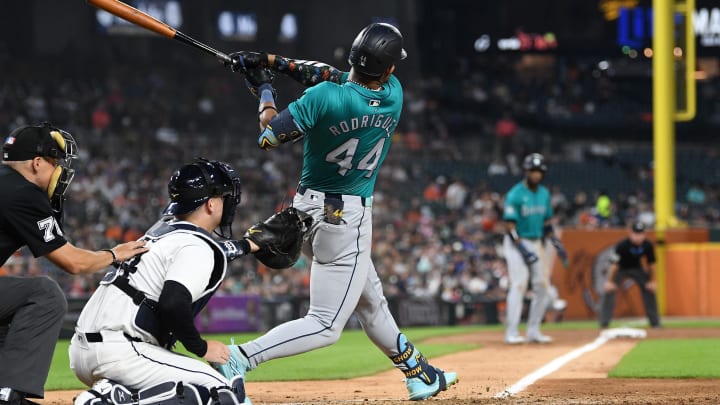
point(535, 161)
point(377, 47)
point(193, 184)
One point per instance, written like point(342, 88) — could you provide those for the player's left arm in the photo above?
point(176, 315)
point(186, 280)
point(307, 73)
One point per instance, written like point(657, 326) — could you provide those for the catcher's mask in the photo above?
point(193, 184)
point(377, 47)
point(47, 141)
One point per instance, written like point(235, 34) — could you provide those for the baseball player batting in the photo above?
point(527, 216)
point(345, 121)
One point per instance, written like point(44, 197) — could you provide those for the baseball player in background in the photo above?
point(34, 176)
point(124, 333)
point(627, 262)
point(346, 121)
point(527, 216)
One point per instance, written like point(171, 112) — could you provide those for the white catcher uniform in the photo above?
point(129, 353)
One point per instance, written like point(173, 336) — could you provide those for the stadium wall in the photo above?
point(688, 276)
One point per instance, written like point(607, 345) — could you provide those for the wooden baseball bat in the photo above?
point(137, 17)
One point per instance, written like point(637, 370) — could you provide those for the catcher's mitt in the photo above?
point(280, 237)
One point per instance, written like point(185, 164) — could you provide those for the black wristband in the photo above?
point(267, 107)
point(115, 261)
point(245, 246)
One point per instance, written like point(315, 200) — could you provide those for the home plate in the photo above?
point(619, 333)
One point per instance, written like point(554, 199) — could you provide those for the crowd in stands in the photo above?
point(438, 201)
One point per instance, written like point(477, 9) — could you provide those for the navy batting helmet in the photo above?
point(377, 47)
point(193, 184)
point(535, 161)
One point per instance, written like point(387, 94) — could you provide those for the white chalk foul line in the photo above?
point(551, 367)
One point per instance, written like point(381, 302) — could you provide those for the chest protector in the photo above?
point(146, 319)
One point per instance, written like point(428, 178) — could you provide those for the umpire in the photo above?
point(627, 262)
point(34, 175)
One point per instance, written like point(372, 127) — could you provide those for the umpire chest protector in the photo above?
point(146, 319)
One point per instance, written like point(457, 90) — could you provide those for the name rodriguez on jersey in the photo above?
point(365, 121)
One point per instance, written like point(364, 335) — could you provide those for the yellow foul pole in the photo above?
point(663, 131)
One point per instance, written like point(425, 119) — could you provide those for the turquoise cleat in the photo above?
point(420, 390)
point(237, 365)
point(421, 379)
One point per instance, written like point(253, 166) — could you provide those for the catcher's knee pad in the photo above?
point(169, 393)
point(99, 394)
point(233, 395)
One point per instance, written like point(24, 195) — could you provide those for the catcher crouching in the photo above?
point(124, 338)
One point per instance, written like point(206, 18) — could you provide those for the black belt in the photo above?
point(96, 337)
point(301, 189)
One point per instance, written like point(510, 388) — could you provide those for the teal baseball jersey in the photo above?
point(347, 134)
point(528, 209)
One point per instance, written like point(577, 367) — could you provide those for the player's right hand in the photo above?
point(528, 256)
point(217, 352)
point(610, 286)
point(258, 79)
point(242, 61)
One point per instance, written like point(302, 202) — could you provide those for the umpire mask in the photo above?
point(64, 173)
point(192, 185)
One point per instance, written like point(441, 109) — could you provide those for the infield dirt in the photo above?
point(489, 370)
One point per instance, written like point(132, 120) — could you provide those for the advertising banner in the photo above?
point(238, 313)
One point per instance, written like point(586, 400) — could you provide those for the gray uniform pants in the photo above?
point(520, 274)
point(607, 301)
point(31, 315)
point(343, 280)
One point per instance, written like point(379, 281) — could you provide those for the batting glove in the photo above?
point(260, 79)
point(528, 256)
point(242, 61)
point(560, 249)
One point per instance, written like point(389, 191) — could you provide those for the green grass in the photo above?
point(327, 363)
point(671, 323)
point(671, 358)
